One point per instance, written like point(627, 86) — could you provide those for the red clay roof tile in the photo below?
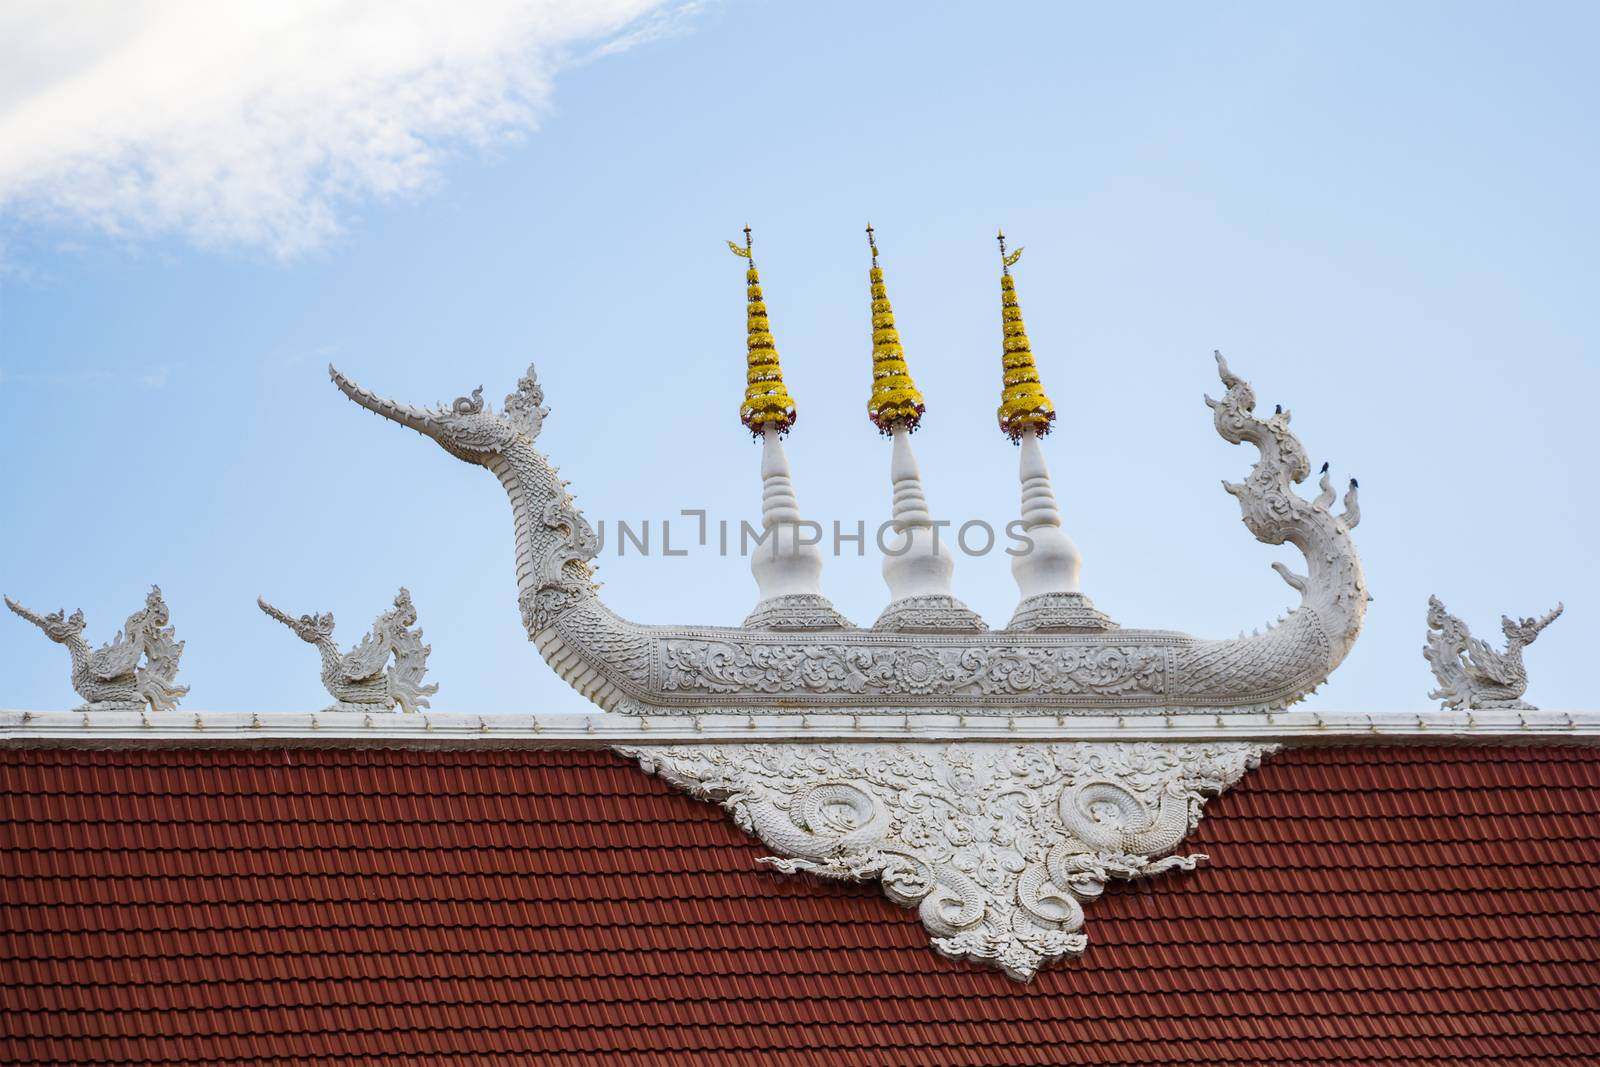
point(1361, 906)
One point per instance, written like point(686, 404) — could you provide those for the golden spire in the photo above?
point(895, 397)
point(766, 401)
point(1022, 400)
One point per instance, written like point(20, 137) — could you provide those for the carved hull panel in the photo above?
point(672, 669)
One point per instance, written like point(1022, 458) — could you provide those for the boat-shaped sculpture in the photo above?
point(927, 652)
point(642, 669)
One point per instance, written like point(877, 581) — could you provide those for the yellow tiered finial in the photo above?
point(766, 401)
point(895, 397)
point(1023, 403)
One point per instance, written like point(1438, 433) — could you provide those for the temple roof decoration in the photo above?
point(690, 669)
point(383, 672)
point(1023, 403)
point(895, 397)
point(1471, 673)
point(997, 781)
point(766, 401)
point(135, 669)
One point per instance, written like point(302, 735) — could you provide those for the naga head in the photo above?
point(468, 428)
point(312, 629)
point(1521, 632)
point(58, 626)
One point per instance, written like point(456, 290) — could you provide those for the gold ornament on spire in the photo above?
point(1023, 403)
point(895, 397)
point(766, 401)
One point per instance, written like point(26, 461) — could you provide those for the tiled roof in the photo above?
point(1361, 905)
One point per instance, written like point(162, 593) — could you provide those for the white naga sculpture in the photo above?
point(111, 677)
point(1470, 673)
point(997, 846)
point(363, 679)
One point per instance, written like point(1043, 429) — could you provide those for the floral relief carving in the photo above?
point(923, 669)
point(998, 847)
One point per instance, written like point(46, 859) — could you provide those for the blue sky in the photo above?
point(1383, 214)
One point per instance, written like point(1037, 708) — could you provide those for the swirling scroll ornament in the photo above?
point(998, 847)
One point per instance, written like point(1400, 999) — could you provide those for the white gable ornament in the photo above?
point(997, 846)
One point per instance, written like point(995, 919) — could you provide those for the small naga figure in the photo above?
point(1473, 675)
point(357, 679)
point(111, 677)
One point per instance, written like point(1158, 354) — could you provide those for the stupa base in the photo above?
point(797, 611)
point(930, 614)
point(1061, 613)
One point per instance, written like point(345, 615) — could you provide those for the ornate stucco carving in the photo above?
point(138, 667)
point(1048, 574)
point(929, 613)
point(997, 846)
point(627, 667)
point(365, 679)
point(917, 570)
point(1061, 612)
point(917, 669)
point(787, 565)
point(796, 612)
point(1470, 673)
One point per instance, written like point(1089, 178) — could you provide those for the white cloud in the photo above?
point(257, 122)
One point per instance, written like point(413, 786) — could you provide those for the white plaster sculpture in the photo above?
point(1047, 573)
point(998, 847)
point(1047, 570)
point(917, 564)
point(787, 564)
point(1471, 674)
point(627, 667)
point(112, 677)
point(364, 679)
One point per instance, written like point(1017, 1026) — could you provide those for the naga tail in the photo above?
point(405, 679)
point(410, 656)
point(157, 678)
point(1333, 588)
point(159, 691)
